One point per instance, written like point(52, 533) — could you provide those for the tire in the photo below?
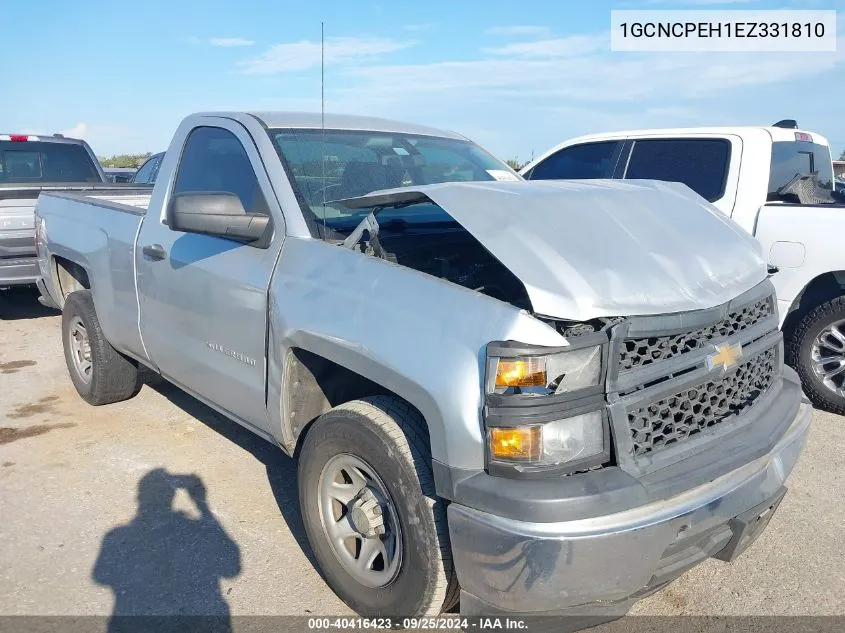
point(390, 437)
point(112, 377)
point(799, 354)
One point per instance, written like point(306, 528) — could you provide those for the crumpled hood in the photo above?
point(593, 248)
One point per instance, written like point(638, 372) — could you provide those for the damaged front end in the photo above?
point(645, 277)
point(578, 249)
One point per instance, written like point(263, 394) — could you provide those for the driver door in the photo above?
point(203, 299)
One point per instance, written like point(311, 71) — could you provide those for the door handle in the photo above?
point(154, 251)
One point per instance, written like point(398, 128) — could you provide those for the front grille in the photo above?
point(662, 423)
point(639, 352)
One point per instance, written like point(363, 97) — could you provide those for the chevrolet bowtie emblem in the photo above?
point(725, 356)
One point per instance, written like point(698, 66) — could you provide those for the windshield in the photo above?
point(357, 163)
point(39, 162)
point(799, 158)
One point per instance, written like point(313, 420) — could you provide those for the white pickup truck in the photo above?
point(775, 182)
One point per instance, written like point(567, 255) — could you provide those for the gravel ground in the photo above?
point(71, 530)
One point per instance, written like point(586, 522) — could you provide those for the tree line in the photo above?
point(124, 160)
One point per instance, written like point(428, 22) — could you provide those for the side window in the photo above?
point(699, 163)
point(791, 159)
point(145, 172)
point(156, 164)
point(214, 160)
point(587, 161)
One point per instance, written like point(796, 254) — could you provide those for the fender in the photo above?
point(326, 299)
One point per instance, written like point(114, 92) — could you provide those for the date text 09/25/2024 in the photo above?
point(419, 624)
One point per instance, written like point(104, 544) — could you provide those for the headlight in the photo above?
point(540, 375)
point(545, 407)
point(577, 439)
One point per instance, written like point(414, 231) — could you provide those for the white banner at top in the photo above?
point(723, 30)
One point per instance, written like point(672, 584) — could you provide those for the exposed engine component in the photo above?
point(456, 256)
point(578, 328)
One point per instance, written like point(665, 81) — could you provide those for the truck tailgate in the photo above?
point(16, 225)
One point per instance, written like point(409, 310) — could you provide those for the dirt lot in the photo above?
point(72, 534)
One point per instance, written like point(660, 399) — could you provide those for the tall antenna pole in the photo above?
point(323, 118)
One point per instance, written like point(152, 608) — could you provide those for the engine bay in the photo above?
point(450, 252)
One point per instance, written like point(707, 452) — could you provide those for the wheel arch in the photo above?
point(317, 380)
point(820, 289)
point(69, 277)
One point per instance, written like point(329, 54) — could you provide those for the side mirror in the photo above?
point(215, 213)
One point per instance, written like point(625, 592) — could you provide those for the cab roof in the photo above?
point(314, 120)
point(776, 133)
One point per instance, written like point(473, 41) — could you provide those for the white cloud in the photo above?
point(525, 96)
point(80, 130)
point(629, 82)
point(517, 30)
point(305, 54)
point(227, 42)
point(110, 138)
point(559, 47)
point(579, 67)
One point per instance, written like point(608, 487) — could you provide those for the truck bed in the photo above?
point(792, 241)
point(18, 263)
point(132, 199)
point(30, 191)
point(98, 230)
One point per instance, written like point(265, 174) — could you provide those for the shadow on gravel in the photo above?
point(165, 566)
point(281, 469)
point(22, 303)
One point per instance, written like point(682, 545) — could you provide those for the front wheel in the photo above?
point(367, 498)
point(816, 350)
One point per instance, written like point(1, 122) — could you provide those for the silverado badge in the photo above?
point(726, 355)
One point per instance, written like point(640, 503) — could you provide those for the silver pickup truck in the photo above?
point(535, 397)
point(30, 164)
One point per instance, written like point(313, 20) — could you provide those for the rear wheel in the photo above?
point(100, 373)
point(367, 498)
point(816, 350)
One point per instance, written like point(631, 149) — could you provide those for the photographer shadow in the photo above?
point(165, 566)
point(281, 469)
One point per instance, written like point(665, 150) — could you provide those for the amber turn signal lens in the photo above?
point(521, 443)
point(526, 372)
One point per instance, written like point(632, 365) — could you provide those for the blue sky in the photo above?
point(515, 77)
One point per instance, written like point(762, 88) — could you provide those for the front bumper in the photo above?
point(20, 271)
point(599, 566)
